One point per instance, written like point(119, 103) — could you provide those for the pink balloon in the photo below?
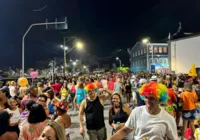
point(34, 74)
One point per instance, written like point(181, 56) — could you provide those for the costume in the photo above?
point(91, 86)
point(159, 91)
point(148, 126)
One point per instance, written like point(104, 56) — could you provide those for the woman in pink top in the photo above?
point(4, 125)
point(72, 94)
point(36, 123)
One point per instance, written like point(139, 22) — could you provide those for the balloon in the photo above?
point(22, 81)
point(34, 74)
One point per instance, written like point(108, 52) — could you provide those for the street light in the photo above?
point(147, 42)
point(74, 63)
point(78, 44)
point(84, 67)
point(76, 60)
point(33, 25)
point(66, 48)
point(120, 62)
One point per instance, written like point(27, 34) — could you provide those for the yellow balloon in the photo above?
point(22, 81)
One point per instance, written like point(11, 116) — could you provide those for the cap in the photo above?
point(153, 78)
point(143, 81)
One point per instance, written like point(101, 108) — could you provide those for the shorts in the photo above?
point(100, 134)
point(189, 115)
point(79, 100)
point(72, 96)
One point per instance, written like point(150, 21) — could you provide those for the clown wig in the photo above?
point(159, 91)
point(91, 86)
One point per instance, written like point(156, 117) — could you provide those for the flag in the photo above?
point(192, 71)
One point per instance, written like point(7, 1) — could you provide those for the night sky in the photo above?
point(103, 25)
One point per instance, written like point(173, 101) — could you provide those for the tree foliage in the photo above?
point(120, 69)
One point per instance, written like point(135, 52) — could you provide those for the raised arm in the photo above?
point(122, 133)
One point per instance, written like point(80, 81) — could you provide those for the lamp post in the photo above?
point(23, 38)
point(120, 62)
point(74, 64)
point(78, 44)
point(147, 42)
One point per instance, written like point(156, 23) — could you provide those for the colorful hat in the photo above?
point(62, 105)
point(91, 86)
point(157, 90)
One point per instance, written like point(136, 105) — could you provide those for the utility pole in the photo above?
point(53, 67)
point(65, 40)
point(64, 69)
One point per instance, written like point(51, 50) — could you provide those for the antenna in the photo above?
point(46, 24)
point(56, 26)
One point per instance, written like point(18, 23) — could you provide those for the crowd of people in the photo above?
point(156, 107)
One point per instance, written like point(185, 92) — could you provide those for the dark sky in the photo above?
point(103, 25)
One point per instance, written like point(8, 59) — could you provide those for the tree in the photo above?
point(120, 69)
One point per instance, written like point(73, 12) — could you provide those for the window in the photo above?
point(138, 52)
point(136, 63)
point(145, 61)
point(155, 50)
point(160, 49)
point(165, 49)
point(160, 60)
point(165, 61)
point(135, 53)
point(144, 50)
point(133, 63)
point(150, 49)
point(156, 60)
point(150, 60)
point(141, 51)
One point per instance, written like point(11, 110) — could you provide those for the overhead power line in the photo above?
point(40, 9)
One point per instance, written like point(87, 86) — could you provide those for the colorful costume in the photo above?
point(159, 91)
point(91, 86)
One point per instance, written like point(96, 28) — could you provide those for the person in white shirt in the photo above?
point(149, 121)
point(12, 89)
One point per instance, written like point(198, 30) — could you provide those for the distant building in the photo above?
point(138, 57)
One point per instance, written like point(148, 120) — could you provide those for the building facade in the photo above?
point(157, 54)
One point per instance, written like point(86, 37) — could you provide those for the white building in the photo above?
point(184, 52)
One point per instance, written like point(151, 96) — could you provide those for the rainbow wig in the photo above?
point(159, 91)
point(91, 86)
